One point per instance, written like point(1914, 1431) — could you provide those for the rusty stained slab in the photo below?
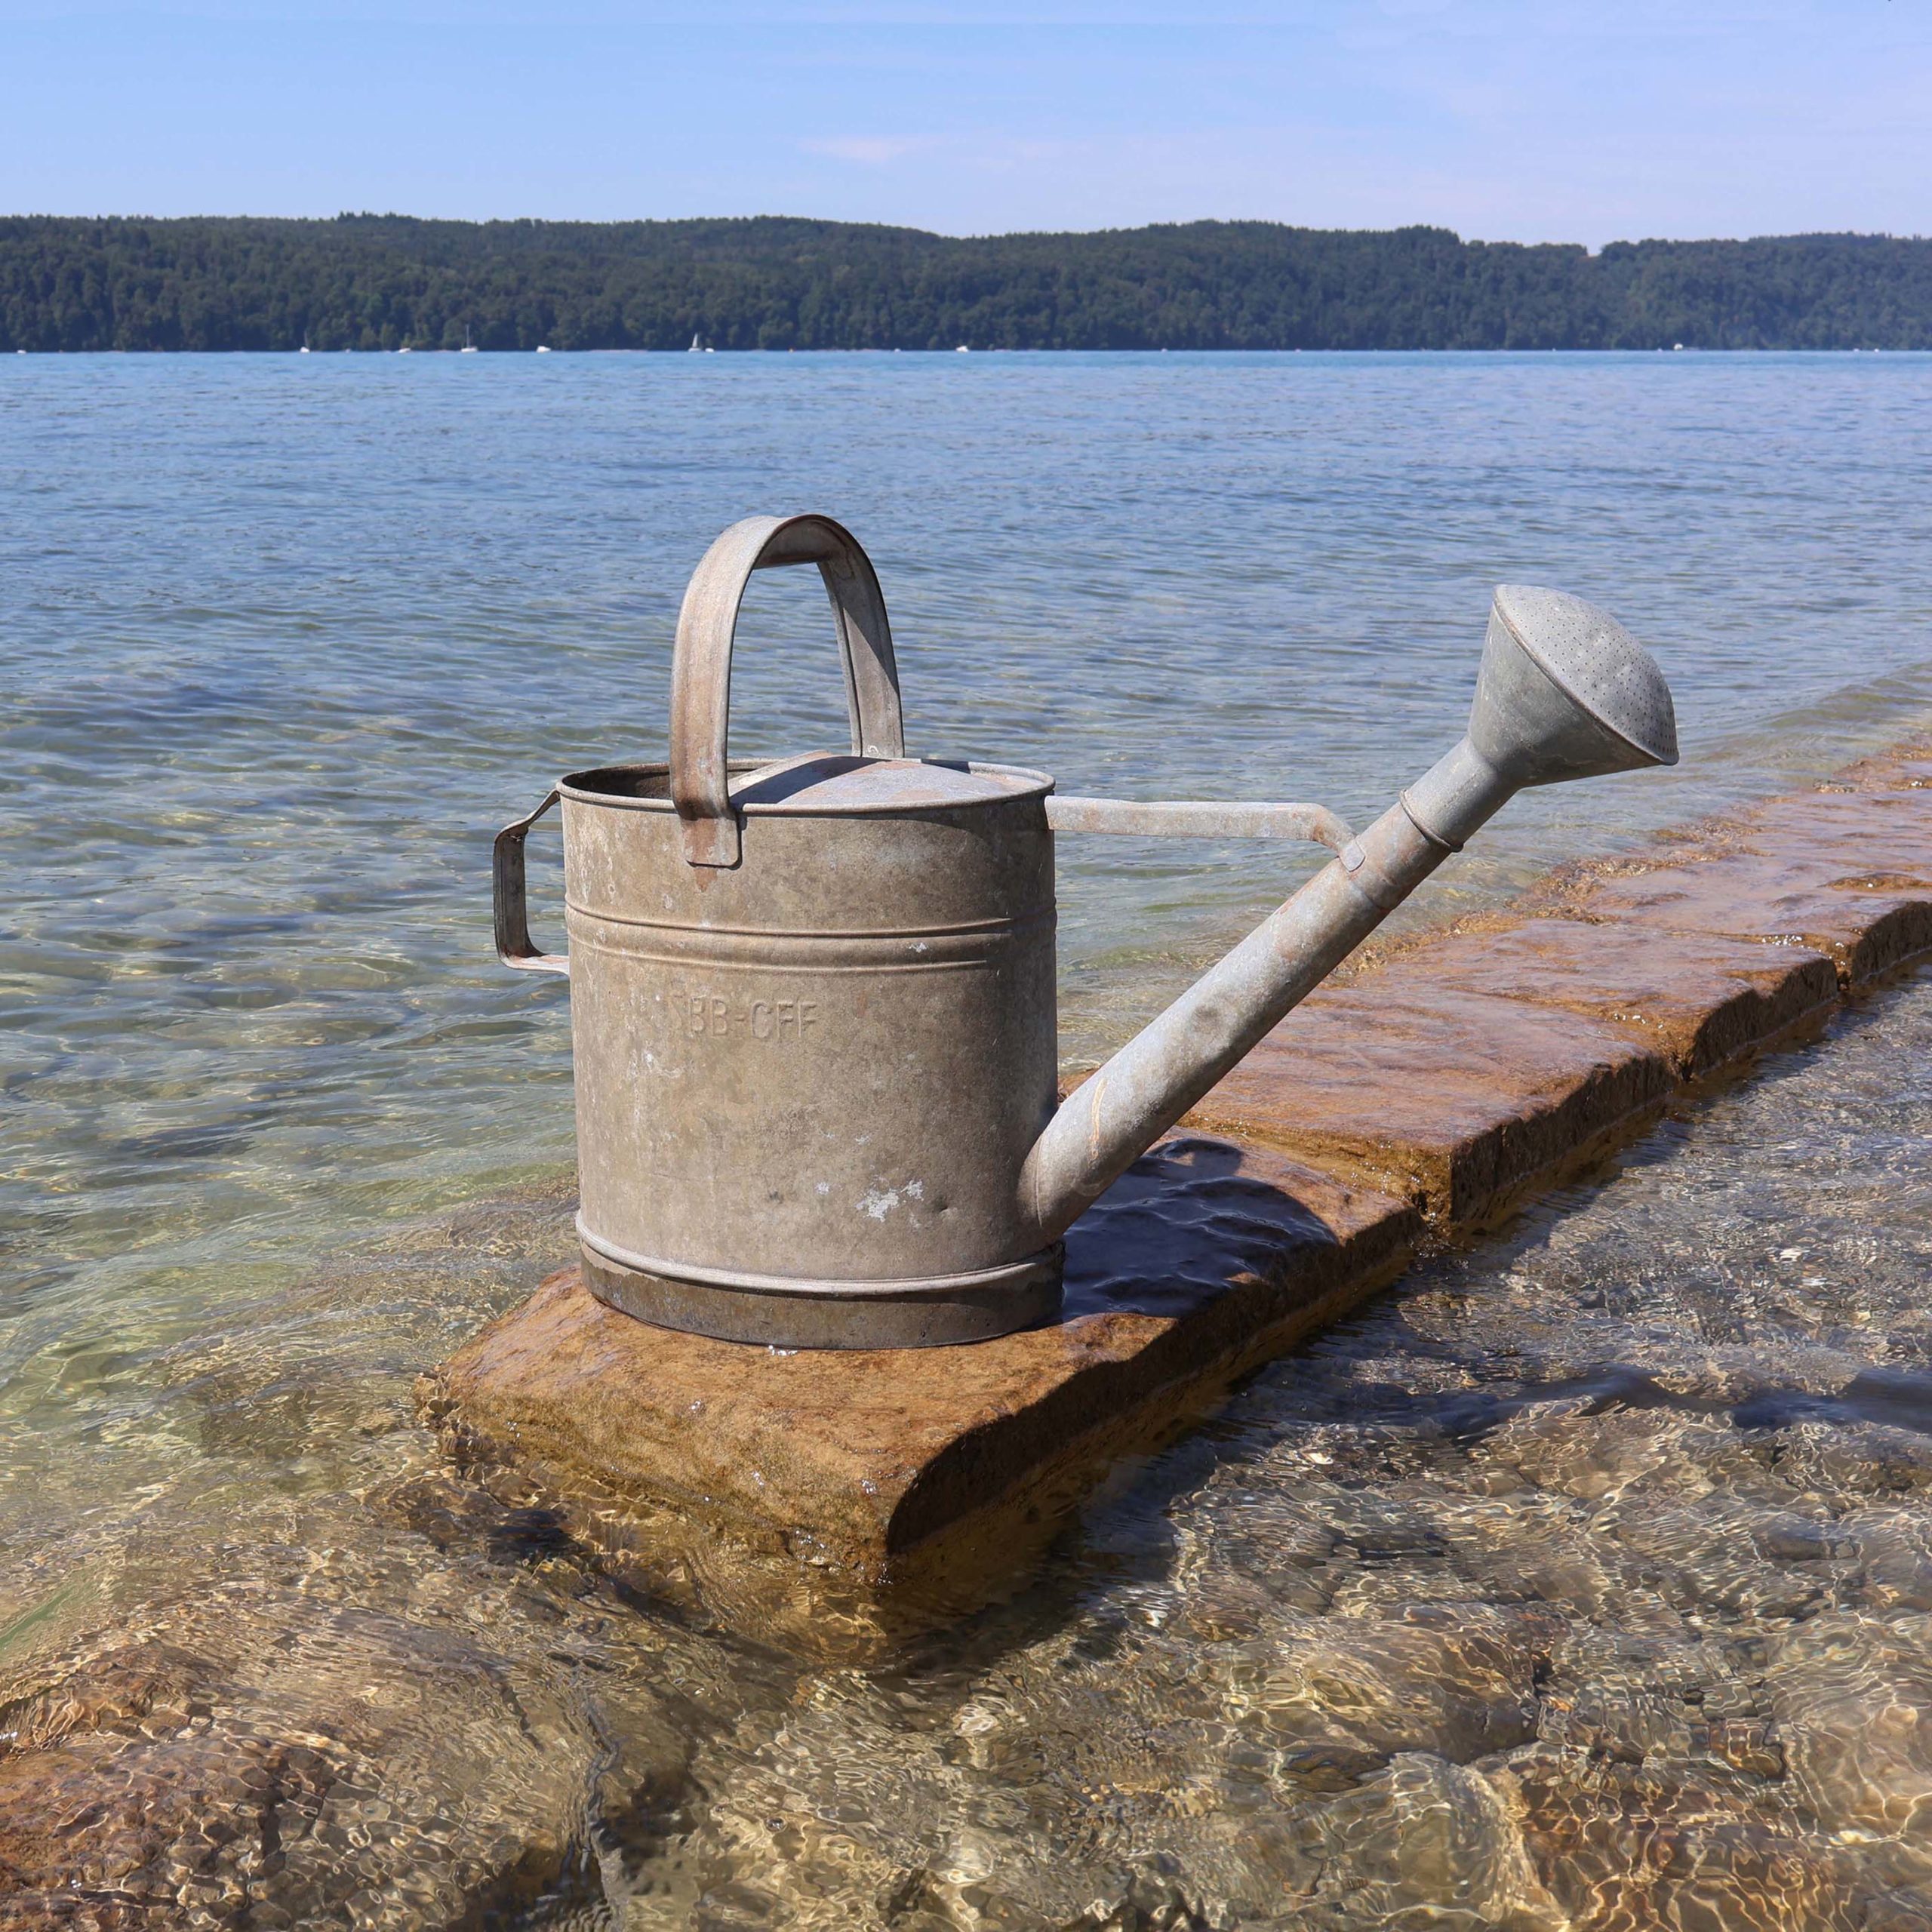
point(729, 1473)
point(1869, 918)
point(1464, 1101)
point(1888, 829)
point(1474, 1069)
point(1844, 872)
point(1703, 1000)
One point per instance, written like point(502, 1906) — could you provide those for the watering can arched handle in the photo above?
point(701, 665)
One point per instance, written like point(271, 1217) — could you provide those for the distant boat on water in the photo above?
point(543, 348)
point(404, 350)
point(468, 347)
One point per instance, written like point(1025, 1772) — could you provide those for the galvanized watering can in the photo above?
point(813, 1003)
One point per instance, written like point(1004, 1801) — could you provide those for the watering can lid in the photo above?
point(838, 782)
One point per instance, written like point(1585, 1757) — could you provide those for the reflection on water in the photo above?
point(1586, 1576)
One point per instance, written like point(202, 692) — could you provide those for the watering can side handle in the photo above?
point(515, 947)
point(701, 664)
point(1197, 818)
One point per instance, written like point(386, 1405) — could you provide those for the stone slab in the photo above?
point(1869, 921)
point(1846, 871)
point(896, 1468)
point(1703, 1000)
point(1461, 1101)
point(1875, 831)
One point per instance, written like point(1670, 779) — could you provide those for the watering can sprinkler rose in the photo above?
point(812, 1002)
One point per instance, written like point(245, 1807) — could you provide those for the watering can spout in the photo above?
point(1563, 692)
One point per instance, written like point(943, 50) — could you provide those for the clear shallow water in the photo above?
point(1583, 1581)
point(285, 639)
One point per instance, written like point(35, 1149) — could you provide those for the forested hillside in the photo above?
point(371, 281)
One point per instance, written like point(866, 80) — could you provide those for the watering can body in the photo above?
point(813, 1003)
point(805, 1082)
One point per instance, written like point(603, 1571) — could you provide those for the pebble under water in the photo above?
point(1583, 1580)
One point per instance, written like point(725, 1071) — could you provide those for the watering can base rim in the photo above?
point(779, 1311)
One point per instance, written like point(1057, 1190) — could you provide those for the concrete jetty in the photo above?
point(840, 1499)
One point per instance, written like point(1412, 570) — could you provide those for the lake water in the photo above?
point(285, 639)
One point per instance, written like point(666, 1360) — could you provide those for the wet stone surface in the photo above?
point(911, 1476)
point(1842, 872)
point(1701, 999)
point(1462, 1100)
point(1585, 1580)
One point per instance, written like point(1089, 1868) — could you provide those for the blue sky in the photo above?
point(1510, 122)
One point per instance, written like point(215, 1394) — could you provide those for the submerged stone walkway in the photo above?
point(839, 1500)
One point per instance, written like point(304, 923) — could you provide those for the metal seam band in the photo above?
point(1017, 922)
point(991, 957)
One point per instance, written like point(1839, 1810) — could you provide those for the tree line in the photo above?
point(367, 282)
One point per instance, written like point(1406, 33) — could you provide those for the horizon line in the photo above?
point(347, 216)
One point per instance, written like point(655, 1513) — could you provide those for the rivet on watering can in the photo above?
point(814, 1003)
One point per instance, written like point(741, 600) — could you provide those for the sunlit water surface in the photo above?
point(1622, 1520)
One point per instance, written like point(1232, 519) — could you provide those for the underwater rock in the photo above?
point(1851, 1460)
point(1457, 1682)
point(1574, 1446)
point(249, 1757)
point(1708, 1557)
point(1853, 1697)
point(1423, 1843)
point(866, 1809)
point(1668, 1847)
point(1891, 1547)
point(1902, 1911)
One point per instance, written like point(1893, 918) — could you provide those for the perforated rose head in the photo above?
point(1565, 691)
